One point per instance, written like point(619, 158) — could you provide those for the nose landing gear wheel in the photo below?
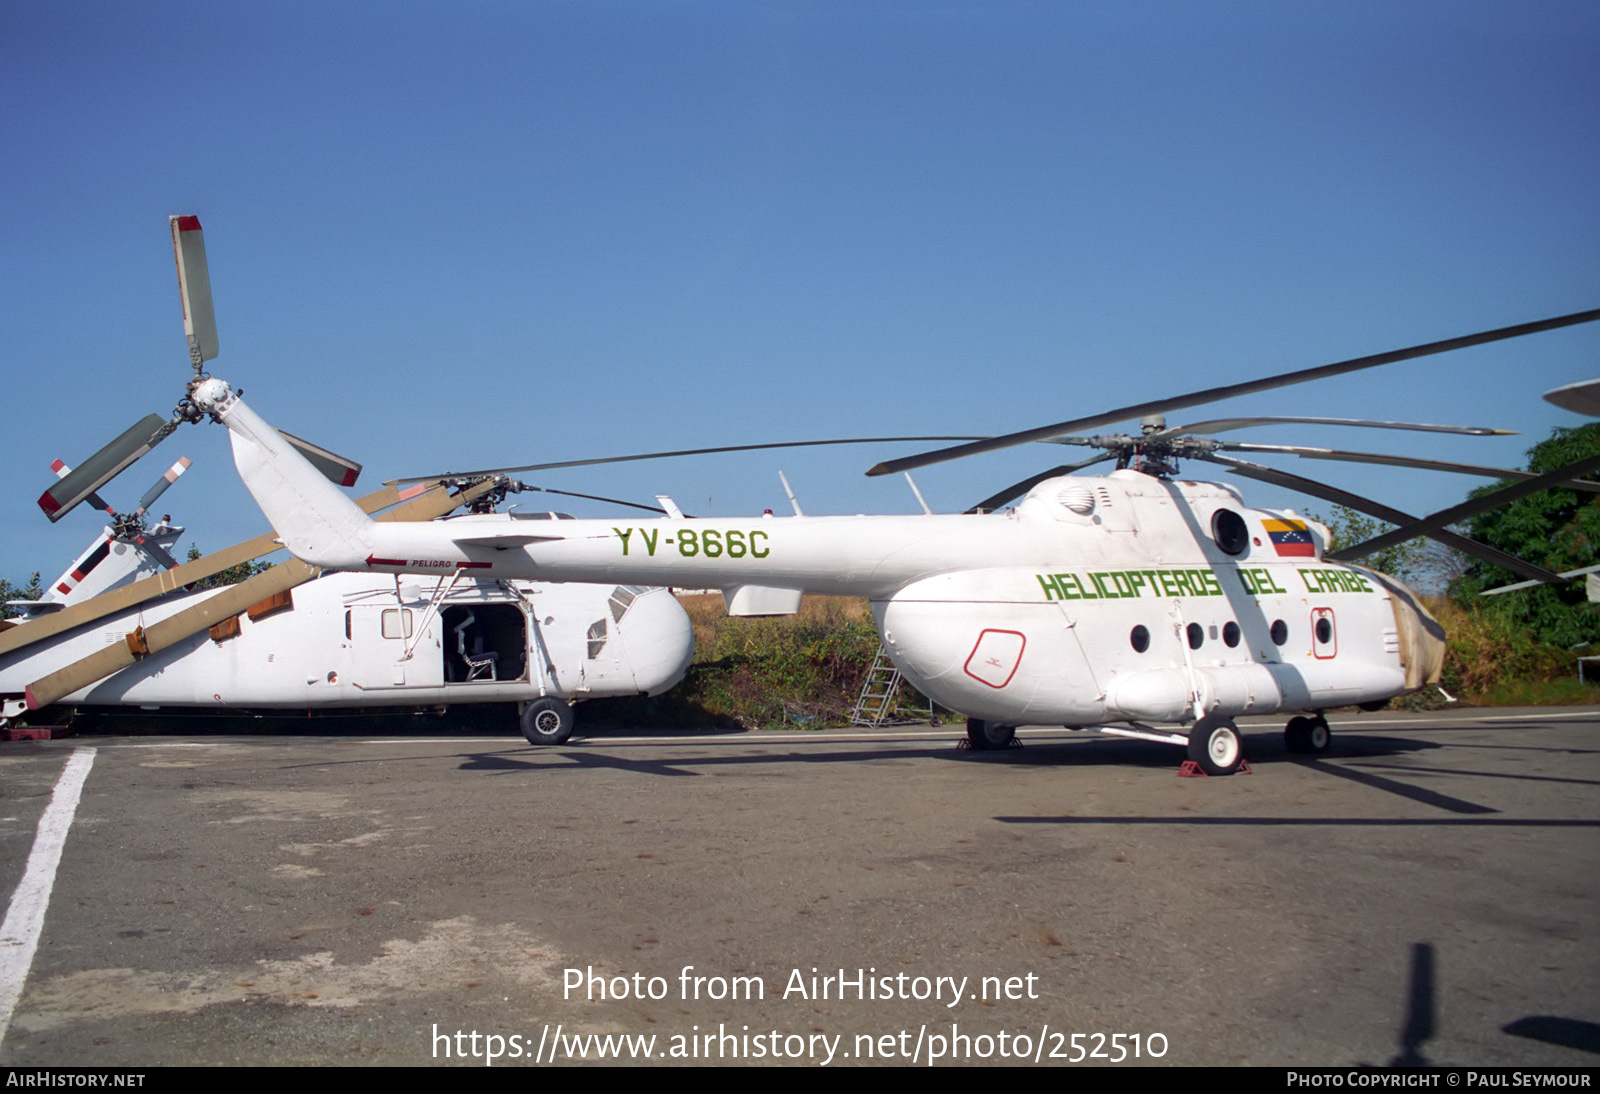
point(986, 736)
point(1216, 747)
point(546, 721)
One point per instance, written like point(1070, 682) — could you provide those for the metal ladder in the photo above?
point(879, 694)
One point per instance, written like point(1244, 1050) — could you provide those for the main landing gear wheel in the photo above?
point(1216, 747)
point(1309, 735)
point(987, 736)
point(546, 721)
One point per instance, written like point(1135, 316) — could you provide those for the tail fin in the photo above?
point(312, 517)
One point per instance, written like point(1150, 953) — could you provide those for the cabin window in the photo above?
point(1230, 531)
point(597, 638)
point(1230, 634)
point(1139, 639)
point(1280, 632)
point(1324, 630)
point(397, 622)
point(1197, 636)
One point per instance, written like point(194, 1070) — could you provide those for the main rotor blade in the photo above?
point(1223, 425)
point(996, 500)
point(100, 468)
point(1585, 485)
point(1429, 525)
point(670, 455)
point(1385, 513)
point(194, 287)
point(334, 467)
point(1582, 397)
point(166, 480)
point(159, 636)
point(1520, 585)
point(597, 497)
point(225, 605)
point(62, 471)
point(1229, 391)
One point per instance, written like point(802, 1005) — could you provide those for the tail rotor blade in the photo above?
point(334, 467)
point(99, 469)
point(194, 286)
point(162, 483)
point(158, 552)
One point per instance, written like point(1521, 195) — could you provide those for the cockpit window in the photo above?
point(622, 598)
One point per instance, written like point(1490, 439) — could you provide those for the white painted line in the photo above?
point(19, 934)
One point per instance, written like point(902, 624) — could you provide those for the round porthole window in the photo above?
point(1197, 635)
point(1324, 631)
point(1230, 634)
point(1229, 530)
point(1139, 639)
point(1280, 632)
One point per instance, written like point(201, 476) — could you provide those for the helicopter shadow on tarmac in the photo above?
point(1090, 752)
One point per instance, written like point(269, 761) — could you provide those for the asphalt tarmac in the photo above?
point(1427, 892)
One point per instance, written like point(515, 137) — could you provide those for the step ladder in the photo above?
point(878, 704)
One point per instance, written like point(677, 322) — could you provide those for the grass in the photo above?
point(800, 670)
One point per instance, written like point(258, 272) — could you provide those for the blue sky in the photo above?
point(445, 236)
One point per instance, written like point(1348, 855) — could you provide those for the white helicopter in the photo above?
point(118, 629)
point(1108, 603)
point(353, 640)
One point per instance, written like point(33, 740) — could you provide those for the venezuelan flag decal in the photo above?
point(1290, 537)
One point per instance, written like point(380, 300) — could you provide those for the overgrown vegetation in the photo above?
point(1490, 660)
point(800, 670)
point(1556, 529)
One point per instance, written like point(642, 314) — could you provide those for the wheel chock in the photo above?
point(1191, 770)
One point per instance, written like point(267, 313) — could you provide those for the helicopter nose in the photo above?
point(660, 640)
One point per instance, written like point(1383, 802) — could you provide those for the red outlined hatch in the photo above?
point(1324, 637)
point(995, 657)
